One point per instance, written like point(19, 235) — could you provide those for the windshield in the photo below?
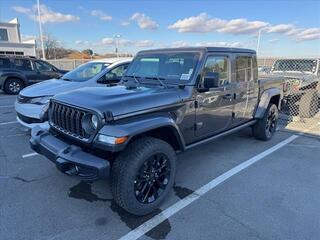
point(300, 65)
point(85, 72)
point(171, 67)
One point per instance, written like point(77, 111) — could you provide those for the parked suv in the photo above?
point(302, 84)
point(170, 100)
point(17, 72)
point(32, 102)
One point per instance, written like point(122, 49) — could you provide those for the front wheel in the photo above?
point(143, 175)
point(13, 86)
point(265, 127)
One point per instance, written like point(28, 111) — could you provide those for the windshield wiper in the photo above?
point(160, 80)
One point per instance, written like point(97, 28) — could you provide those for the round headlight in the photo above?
point(94, 121)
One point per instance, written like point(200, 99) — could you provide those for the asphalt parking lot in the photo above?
point(257, 190)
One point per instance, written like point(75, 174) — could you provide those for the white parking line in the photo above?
point(30, 155)
point(7, 123)
point(170, 211)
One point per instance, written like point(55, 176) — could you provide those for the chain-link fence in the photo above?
point(301, 88)
point(68, 64)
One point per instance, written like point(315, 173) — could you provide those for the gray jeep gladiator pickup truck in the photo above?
point(170, 100)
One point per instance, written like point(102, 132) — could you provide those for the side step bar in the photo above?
point(221, 134)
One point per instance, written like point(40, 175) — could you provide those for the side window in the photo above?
point(42, 66)
point(3, 34)
point(22, 64)
point(218, 64)
point(119, 71)
point(4, 63)
point(243, 68)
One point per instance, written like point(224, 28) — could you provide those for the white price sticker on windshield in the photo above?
point(185, 76)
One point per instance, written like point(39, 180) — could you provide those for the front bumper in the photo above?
point(44, 125)
point(32, 111)
point(30, 115)
point(69, 159)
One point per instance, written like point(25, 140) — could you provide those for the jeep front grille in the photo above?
point(68, 120)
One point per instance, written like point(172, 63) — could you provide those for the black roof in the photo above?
point(202, 49)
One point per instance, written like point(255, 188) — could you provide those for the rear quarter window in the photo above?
point(4, 63)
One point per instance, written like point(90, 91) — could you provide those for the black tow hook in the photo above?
point(72, 171)
point(67, 167)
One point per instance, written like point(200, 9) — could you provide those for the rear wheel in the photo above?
point(265, 127)
point(309, 104)
point(13, 86)
point(143, 175)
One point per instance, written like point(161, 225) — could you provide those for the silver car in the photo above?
point(32, 102)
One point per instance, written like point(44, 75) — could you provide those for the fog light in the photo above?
point(112, 140)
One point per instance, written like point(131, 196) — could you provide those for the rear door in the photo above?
point(245, 87)
point(215, 107)
point(25, 67)
point(5, 63)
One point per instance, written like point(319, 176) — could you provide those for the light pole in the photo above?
point(40, 30)
point(258, 42)
point(117, 39)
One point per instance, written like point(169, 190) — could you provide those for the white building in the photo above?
point(10, 40)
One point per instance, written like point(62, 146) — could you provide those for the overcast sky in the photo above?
point(288, 28)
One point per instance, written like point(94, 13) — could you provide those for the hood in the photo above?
point(297, 74)
point(120, 99)
point(49, 88)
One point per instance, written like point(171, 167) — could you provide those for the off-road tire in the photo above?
point(260, 130)
point(13, 86)
point(126, 167)
point(309, 104)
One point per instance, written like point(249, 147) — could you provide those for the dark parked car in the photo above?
point(17, 72)
point(170, 100)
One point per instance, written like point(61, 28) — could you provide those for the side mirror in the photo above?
point(210, 80)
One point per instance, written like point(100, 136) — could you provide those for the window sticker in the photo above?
point(185, 76)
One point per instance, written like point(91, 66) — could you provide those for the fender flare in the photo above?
point(265, 100)
point(143, 125)
point(5, 77)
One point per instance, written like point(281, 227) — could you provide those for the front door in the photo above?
point(215, 107)
point(45, 71)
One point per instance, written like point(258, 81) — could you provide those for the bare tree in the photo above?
point(52, 47)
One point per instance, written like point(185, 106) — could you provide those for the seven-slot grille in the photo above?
point(68, 120)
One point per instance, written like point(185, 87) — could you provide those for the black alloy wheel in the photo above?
point(152, 178)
